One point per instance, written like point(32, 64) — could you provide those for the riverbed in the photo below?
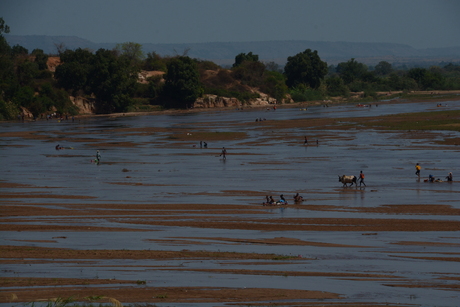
point(162, 185)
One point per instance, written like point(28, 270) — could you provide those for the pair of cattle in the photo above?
point(348, 179)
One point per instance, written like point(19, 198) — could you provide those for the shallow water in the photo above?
point(178, 173)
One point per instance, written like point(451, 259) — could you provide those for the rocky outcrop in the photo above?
point(144, 75)
point(85, 105)
point(214, 101)
point(263, 100)
point(53, 62)
point(25, 113)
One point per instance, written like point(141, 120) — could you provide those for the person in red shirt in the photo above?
point(361, 178)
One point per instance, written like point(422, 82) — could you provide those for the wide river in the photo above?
point(169, 170)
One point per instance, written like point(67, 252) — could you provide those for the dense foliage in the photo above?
point(112, 79)
point(243, 57)
point(25, 82)
point(305, 68)
point(182, 81)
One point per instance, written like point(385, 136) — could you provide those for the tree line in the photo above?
point(111, 78)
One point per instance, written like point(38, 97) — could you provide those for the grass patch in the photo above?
point(284, 257)
point(162, 296)
point(420, 96)
point(435, 120)
point(144, 108)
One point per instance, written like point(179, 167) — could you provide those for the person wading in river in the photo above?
point(361, 178)
point(224, 152)
point(417, 170)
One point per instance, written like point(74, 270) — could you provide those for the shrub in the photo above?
point(302, 93)
point(336, 87)
point(8, 110)
point(274, 85)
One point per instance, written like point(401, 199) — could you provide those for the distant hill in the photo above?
point(223, 53)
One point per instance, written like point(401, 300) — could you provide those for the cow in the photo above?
point(347, 179)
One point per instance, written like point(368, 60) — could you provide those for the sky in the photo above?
point(417, 23)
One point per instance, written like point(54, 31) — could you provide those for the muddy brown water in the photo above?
point(157, 189)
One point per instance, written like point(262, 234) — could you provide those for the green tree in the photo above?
point(274, 85)
point(6, 64)
point(8, 80)
point(155, 86)
point(336, 87)
point(8, 110)
point(112, 80)
point(26, 71)
point(182, 81)
point(383, 68)
point(452, 67)
point(427, 79)
point(351, 71)
point(132, 51)
point(40, 58)
point(303, 92)
point(72, 76)
point(243, 57)
point(58, 98)
point(394, 81)
point(5, 49)
point(331, 70)
point(25, 97)
point(154, 62)
point(74, 72)
point(17, 50)
point(305, 68)
point(3, 27)
point(272, 66)
point(207, 65)
point(250, 73)
point(79, 55)
point(418, 74)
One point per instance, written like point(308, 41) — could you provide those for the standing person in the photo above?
point(417, 169)
point(361, 178)
point(98, 157)
point(305, 141)
point(224, 152)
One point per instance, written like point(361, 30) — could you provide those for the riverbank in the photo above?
point(356, 98)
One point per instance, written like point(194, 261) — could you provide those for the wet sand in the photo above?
point(56, 216)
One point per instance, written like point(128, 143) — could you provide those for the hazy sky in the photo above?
point(418, 23)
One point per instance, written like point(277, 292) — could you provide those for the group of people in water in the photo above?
point(431, 178)
point(269, 201)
